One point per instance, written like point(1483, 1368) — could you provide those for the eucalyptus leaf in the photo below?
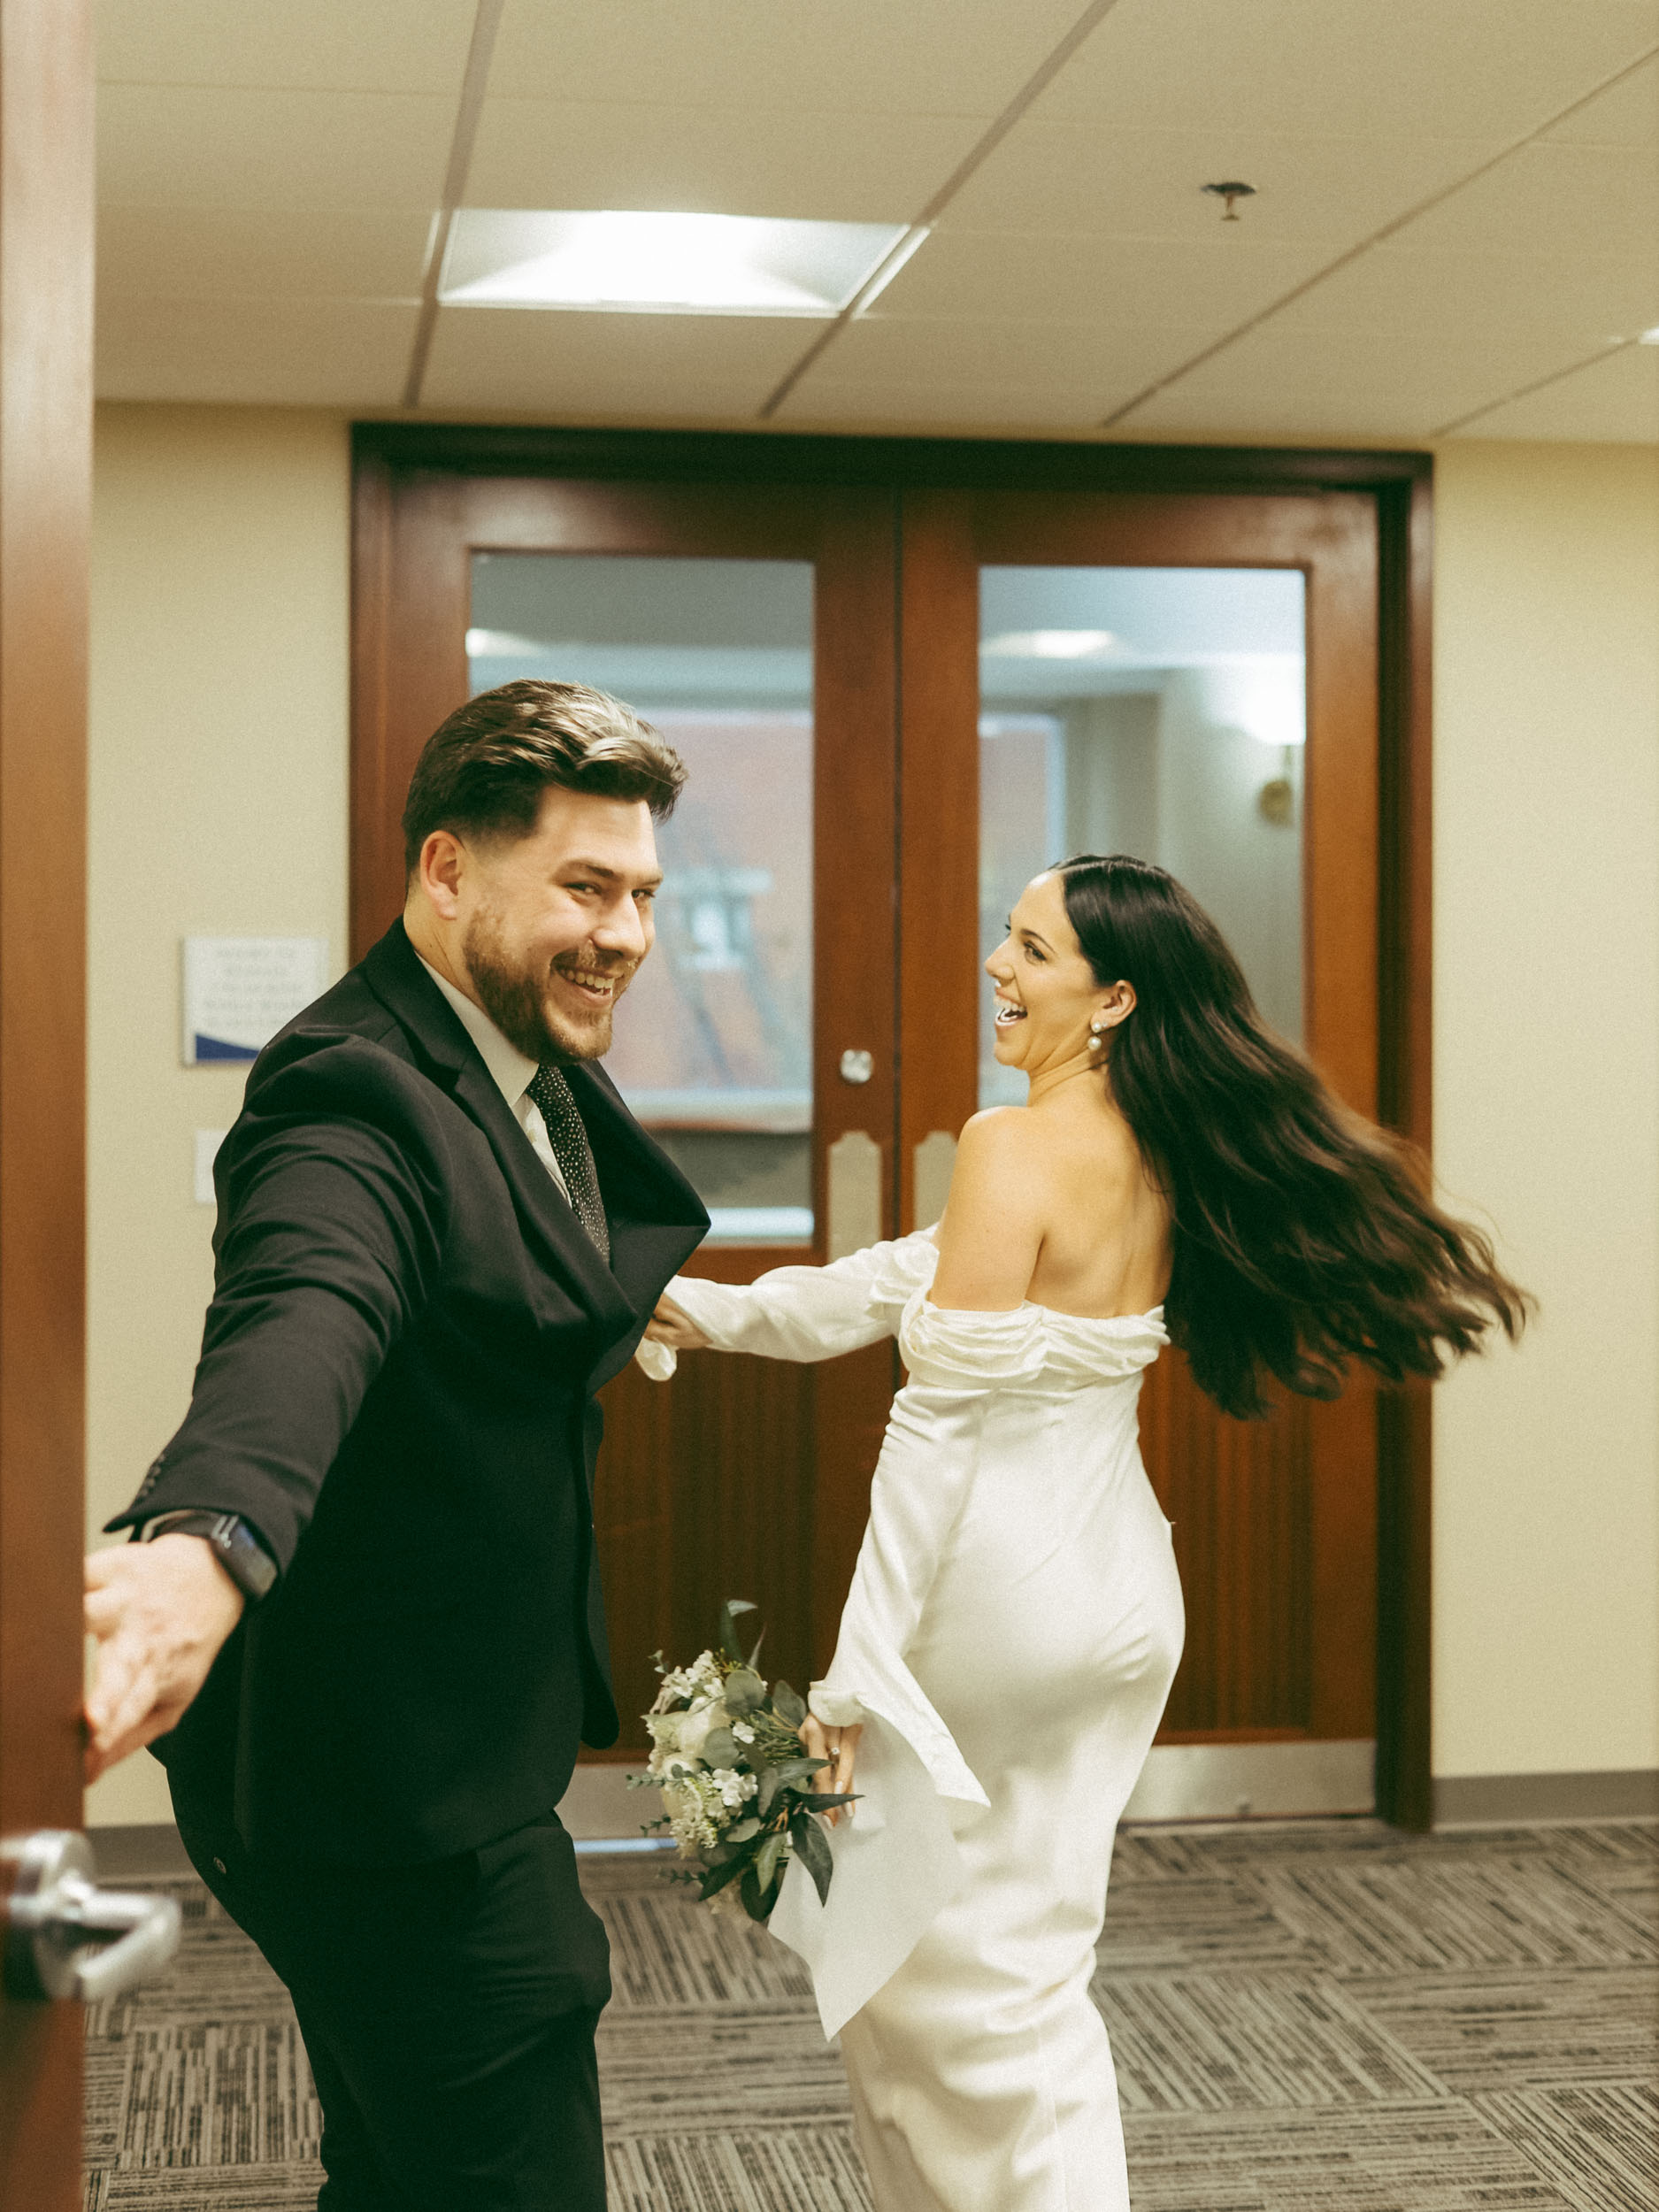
point(816, 1801)
point(753, 1656)
point(744, 1692)
point(743, 1830)
point(788, 1704)
point(729, 1644)
point(721, 1748)
point(767, 1791)
point(814, 1853)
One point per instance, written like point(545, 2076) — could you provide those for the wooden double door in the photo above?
point(897, 702)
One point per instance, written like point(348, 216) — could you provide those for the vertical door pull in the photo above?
point(854, 1193)
point(931, 1164)
point(55, 1915)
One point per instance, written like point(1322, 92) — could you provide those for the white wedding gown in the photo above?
point(1009, 1642)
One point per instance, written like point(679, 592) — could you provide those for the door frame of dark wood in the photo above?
point(1401, 486)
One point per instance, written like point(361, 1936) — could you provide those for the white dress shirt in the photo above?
point(513, 1073)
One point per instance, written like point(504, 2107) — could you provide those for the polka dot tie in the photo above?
point(568, 1137)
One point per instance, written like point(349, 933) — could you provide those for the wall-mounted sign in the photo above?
point(240, 991)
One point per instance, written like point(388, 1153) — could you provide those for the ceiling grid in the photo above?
point(1455, 230)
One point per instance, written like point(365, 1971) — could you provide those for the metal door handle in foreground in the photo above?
point(55, 1915)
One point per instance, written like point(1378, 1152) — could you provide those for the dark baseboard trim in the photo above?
point(154, 1847)
point(1487, 1801)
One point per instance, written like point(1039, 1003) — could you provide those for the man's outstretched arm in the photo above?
point(331, 1245)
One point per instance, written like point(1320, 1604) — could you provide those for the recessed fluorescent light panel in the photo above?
point(664, 264)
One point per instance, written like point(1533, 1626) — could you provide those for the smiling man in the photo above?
point(362, 1625)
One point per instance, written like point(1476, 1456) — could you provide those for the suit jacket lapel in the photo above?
point(656, 1219)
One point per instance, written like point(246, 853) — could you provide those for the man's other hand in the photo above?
point(160, 1613)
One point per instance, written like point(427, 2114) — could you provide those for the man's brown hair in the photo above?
point(483, 771)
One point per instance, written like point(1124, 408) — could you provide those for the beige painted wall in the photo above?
point(218, 807)
point(218, 803)
point(1547, 1099)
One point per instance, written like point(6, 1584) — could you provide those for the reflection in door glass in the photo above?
point(713, 1043)
point(1156, 711)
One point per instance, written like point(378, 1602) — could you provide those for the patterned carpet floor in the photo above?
point(1306, 2015)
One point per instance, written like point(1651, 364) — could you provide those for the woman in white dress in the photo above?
point(1178, 1174)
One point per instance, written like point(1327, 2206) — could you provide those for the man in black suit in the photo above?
point(362, 1618)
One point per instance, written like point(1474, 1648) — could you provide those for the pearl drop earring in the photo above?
point(1097, 1035)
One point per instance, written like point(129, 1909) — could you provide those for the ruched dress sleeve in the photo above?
point(804, 1313)
point(896, 1860)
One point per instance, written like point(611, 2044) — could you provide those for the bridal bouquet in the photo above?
point(726, 1755)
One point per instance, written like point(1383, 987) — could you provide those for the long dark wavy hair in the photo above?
point(1304, 1239)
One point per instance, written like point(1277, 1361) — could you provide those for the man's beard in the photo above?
point(515, 999)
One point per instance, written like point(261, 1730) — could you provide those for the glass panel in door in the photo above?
point(1155, 711)
point(714, 1050)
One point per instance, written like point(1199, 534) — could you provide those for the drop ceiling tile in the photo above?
point(726, 161)
point(1453, 296)
point(191, 146)
point(548, 362)
point(196, 252)
point(1615, 402)
point(296, 353)
point(927, 56)
point(1347, 68)
point(1215, 281)
point(943, 409)
point(1626, 115)
point(1404, 383)
point(1310, 415)
point(1144, 183)
point(1101, 356)
point(1550, 198)
point(365, 45)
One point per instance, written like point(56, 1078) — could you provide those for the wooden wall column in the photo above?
point(46, 178)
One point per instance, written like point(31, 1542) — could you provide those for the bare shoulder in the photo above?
point(999, 1136)
point(994, 1221)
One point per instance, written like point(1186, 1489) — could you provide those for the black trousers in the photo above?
point(448, 2011)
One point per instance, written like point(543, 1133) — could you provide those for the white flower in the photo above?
point(686, 1733)
point(697, 1725)
point(742, 1729)
point(701, 1679)
point(735, 1789)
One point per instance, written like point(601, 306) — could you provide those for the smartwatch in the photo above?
point(238, 1550)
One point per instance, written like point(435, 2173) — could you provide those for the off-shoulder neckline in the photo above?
point(1056, 1313)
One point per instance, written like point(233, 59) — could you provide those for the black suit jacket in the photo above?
point(396, 1389)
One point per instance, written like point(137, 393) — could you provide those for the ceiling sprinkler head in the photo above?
point(1229, 192)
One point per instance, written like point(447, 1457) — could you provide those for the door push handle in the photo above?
point(56, 1916)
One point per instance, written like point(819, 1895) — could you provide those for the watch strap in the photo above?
point(239, 1550)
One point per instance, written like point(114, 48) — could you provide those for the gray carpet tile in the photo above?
point(1524, 2030)
point(1438, 2157)
point(1197, 1923)
point(683, 2069)
point(1197, 2044)
point(285, 2188)
point(1306, 2015)
point(787, 2169)
point(667, 1949)
point(1504, 1909)
point(1600, 2146)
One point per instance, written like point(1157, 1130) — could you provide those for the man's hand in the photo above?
point(669, 1325)
point(161, 1612)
